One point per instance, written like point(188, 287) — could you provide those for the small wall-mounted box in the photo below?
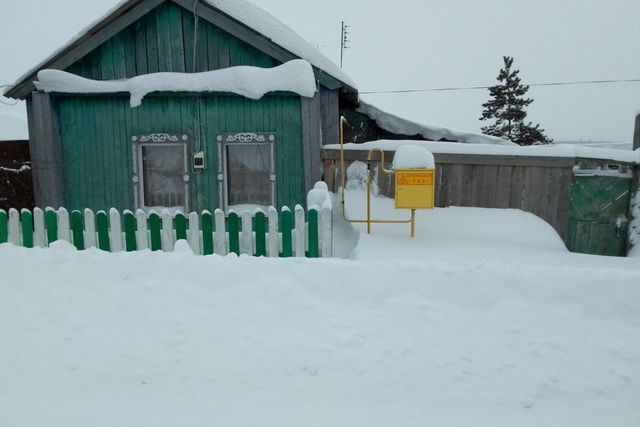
point(198, 161)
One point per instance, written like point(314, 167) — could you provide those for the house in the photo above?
point(106, 130)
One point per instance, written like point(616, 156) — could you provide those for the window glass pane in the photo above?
point(163, 169)
point(248, 174)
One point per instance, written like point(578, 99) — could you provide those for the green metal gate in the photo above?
point(598, 222)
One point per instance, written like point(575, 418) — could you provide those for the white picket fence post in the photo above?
point(64, 231)
point(168, 238)
point(90, 239)
point(273, 238)
point(299, 238)
point(14, 227)
point(115, 231)
point(193, 235)
point(39, 234)
point(142, 232)
point(246, 238)
point(220, 241)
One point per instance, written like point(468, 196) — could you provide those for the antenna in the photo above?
point(344, 40)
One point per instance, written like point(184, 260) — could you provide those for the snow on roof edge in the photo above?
point(399, 125)
point(281, 34)
point(252, 82)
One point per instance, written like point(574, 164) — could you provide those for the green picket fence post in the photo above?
point(102, 226)
point(207, 233)
point(261, 233)
point(26, 223)
point(314, 248)
point(180, 225)
point(51, 224)
point(155, 230)
point(286, 225)
point(233, 227)
point(77, 229)
point(130, 227)
point(4, 227)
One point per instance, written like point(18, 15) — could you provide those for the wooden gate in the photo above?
point(598, 222)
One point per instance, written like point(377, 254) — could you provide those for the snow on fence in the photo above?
point(270, 234)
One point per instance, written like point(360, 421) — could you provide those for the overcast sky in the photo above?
point(417, 44)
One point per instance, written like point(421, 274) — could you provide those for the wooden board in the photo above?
point(488, 181)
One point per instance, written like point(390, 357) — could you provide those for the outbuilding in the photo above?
point(181, 104)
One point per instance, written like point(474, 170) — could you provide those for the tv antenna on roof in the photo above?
point(344, 40)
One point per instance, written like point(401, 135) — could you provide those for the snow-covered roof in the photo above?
point(264, 23)
point(252, 82)
point(242, 11)
point(398, 125)
point(551, 150)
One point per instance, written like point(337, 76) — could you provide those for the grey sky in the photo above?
point(409, 44)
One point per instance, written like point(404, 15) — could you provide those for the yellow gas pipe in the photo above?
point(368, 220)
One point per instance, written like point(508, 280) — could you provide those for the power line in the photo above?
point(10, 104)
point(450, 89)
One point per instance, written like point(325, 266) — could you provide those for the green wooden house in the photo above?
point(191, 150)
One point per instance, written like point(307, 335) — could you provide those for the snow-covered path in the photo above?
point(95, 339)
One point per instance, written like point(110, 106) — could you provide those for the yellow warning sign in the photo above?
point(415, 189)
point(415, 178)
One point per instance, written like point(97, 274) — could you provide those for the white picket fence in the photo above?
point(271, 234)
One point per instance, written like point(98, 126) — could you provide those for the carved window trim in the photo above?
point(249, 138)
point(156, 139)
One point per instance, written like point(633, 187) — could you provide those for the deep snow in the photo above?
point(484, 319)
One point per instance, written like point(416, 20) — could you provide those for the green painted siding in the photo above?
point(96, 130)
point(598, 215)
point(96, 139)
point(163, 40)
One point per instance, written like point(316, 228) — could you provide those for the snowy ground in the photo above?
point(445, 330)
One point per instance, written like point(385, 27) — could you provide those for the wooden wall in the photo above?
point(540, 185)
point(163, 41)
point(97, 153)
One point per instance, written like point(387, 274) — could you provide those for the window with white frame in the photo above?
point(247, 170)
point(161, 171)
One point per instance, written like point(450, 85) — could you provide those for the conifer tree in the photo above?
point(508, 107)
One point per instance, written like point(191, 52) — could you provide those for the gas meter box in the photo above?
point(415, 188)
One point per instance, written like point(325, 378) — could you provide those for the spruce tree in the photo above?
point(507, 106)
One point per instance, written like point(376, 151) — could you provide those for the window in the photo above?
point(160, 172)
point(247, 170)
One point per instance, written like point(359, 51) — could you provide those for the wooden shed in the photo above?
point(191, 150)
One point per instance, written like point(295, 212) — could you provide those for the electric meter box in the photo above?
point(198, 161)
point(415, 188)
